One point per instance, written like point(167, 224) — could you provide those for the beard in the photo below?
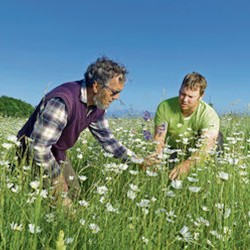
point(99, 103)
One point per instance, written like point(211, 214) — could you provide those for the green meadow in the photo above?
point(124, 207)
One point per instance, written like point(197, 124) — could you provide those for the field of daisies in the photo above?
point(124, 207)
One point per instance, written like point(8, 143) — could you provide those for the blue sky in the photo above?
point(45, 43)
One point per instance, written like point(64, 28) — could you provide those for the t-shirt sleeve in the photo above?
point(160, 116)
point(211, 120)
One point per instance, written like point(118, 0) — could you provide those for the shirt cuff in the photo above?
point(131, 157)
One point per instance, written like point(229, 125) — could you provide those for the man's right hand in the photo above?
point(151, 160)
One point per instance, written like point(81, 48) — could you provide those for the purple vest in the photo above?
point(77, 118)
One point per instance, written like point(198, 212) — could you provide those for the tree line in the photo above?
point(14, 107)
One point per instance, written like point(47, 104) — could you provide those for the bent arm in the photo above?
point(102, 133)
point(159, 139)
point(46, 132)
point(208, 142)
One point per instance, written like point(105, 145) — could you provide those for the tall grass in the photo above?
point(123, 207)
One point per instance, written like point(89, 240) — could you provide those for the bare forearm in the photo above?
point(159, 137)
point(208, 143)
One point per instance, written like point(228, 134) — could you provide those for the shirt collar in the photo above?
point(83, 96)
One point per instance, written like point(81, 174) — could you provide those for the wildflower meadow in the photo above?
point(122, 206)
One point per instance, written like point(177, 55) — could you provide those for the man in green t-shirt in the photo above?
point(187, 125)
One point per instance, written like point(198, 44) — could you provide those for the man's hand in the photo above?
point(59, 186)
point(150, 160)
point(180, 170)
point(209, 138)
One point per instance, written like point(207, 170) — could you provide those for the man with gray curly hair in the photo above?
point(64, 113)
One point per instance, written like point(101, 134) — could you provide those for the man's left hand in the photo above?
point(179, 170)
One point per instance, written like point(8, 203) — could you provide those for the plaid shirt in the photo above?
point(50, 124)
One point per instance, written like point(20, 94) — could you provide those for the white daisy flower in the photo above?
point(16, 227)
point(224, 176)
point(151, 174)
point(94, 228)
point(176, 184)
point(145, 240)
point(82, 222)
point(143, 203)
point(134, 187)
point(7, 145)
point(71, 177)
point(83, 203)
point(170, 193)
point(191, 179)
point(34, 229)
point(35, 184)
point(102, 190)
point(110, 208)
point(194, 189)
point(131, 194)
point(227, 213)
point(133, 172)
point(204, 208)
point(186, 235)
point(82, 177)
point(136, 160)
point(69, 240)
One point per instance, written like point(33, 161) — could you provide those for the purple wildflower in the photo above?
point(147, 116)
point(147, 135)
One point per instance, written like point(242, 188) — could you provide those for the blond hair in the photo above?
point(194, 81)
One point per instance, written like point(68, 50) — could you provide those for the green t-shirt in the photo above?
point(183, 131)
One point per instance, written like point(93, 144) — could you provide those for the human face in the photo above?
point(106, 94)
point(189, 100)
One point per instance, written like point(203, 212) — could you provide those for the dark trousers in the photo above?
point(70, 176)
point(220, 142)
point(24, 156)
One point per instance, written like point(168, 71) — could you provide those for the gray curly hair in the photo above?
point(103, 70)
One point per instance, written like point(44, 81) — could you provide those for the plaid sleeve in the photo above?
point(47, 130)
point(101, 131)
